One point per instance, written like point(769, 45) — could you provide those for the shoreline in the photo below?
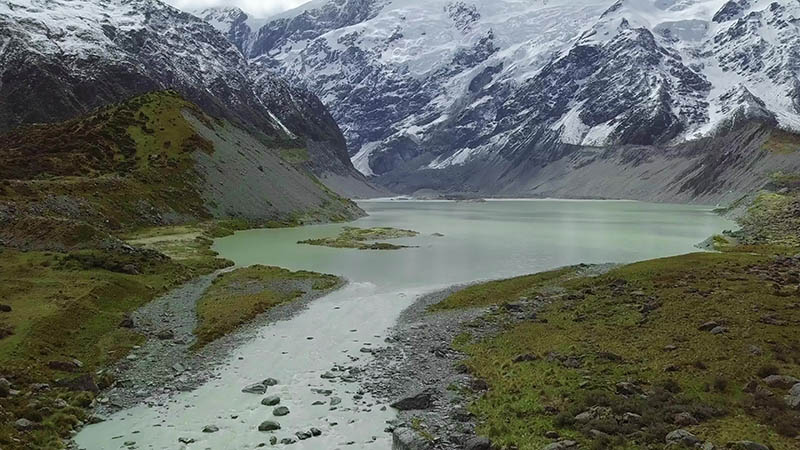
point(420, 363)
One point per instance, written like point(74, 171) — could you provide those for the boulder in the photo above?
point(746, 445)
point(684, 419)
point(478, 443)
point(82, 383)
point(315, 432)
point(561, 445)
point(303, 435)
point(270, 382)
point(127, 322)
point(407, 439)
point(5, 387)
point(288, 441)
point(593, 413)
point(719, 330)
point(626, 388)
point(210, 429)
point(708, 326)
point(682, 437)
point(186, 440)
point(24, 425)
point(526, 357)
point(71, 365)
point(255, 388)
point(165, 335)
point(418, 401)
point(335, 401)
point(280, 411)
point(269, 425)
point(5, 308)
point(793, 399)
point(271, 400)
point(781, 381)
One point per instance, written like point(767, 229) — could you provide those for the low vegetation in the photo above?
point(239, 296)
point(364, 238)
point(622, 359)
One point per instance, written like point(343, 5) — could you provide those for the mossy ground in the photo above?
point(364, 238)
point(67, 306)
point(239, 296)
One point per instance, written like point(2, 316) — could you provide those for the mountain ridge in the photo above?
point(431, 86)
point(63, 58)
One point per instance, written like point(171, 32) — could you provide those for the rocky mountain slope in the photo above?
point(435, 89)
point(153, 160)
point(62, 58)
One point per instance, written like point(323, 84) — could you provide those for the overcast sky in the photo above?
point(256, 8)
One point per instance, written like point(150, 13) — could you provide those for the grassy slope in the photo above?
point(81, 189)
point(640, 323)
point(239, 296)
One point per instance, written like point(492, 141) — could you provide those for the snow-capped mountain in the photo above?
point(60, 58)
point(437, 84)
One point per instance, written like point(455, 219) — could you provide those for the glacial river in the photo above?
point(481, 241)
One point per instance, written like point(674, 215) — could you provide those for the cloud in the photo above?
point(256, 8)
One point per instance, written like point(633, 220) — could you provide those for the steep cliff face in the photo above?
point(62, 58)
point(441, 87)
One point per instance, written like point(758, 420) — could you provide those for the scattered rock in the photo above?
point(186, 440)
point(682, 437)
point(269, 425)
point(273, 440)
point(335, 401)
point(288, 441)
point(270, 382)
point(210, 429)
point(303, 435)
point(419, 401)
point(552, 435)
point(5, 308)
point(781, 381)
point(280, 411)
point(255, 388)
point(719, 330)
point(271, 400)
point(315, 432)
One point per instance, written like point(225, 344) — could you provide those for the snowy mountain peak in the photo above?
point(437, 83)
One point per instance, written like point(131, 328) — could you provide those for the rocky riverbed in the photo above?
point(166, 363)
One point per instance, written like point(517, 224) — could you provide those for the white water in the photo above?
point(482, 241)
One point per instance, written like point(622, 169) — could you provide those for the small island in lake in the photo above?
point(364, 238)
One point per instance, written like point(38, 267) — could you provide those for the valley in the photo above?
point(405, 224)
